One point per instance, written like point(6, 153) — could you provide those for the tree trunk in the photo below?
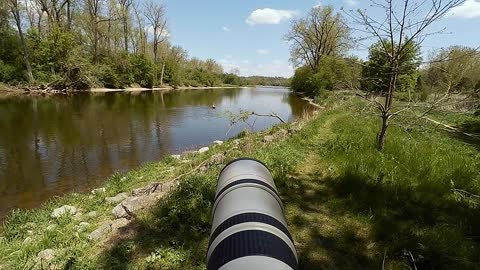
point(383, 132)
point(161, 74)
point(26, 57)
point(125, 32)
point(95, 44)
point(388, 105)
point(109, 40)
point(69, 16)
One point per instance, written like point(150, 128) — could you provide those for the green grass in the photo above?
point(348, 206)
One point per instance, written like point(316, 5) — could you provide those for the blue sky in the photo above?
point(248, 34)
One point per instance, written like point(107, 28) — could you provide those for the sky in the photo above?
point(248, 34)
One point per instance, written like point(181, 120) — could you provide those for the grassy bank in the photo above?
point(348, 206)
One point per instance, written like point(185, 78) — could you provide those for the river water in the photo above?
point(59, 144)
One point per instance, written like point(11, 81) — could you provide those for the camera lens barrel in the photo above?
point(249, 230)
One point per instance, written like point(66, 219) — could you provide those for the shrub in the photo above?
point(142, 70)
point(107, 77)
point(7, 72)
point(301, 80)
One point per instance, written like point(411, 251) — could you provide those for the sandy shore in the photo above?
point(139, 89)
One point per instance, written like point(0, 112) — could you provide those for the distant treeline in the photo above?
point(79, 44)
point(234, 79)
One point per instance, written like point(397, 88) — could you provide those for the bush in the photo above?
point(142, 70)
point(332, 74)
point(107, 77)
point(7, 72)
point(301, 80)
point(49, 54)
point(231, 79)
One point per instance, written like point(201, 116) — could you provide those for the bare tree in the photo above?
point(15, 9)
point(321, 33)
point(140, 44)
point(57, 11)
point(125, 6)
point(155, 14)
point(94, 8)
point(405, 22)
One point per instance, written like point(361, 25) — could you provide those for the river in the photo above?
point(59, 144)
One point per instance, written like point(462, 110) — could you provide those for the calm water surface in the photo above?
point(55, 145)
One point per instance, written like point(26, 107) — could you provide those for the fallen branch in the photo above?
point(155, 186)
point(384, 257)
point(129, 213)
point(311, 102)
point(243, 116)
point(270, 115)
point(413, 260)
point(465, 193)
point(450, 128)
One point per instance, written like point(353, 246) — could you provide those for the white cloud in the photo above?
point(317, 5)
point(352, 2)
point(263, 52)
point(469, 9)
point(225, 28)
point(270, 16)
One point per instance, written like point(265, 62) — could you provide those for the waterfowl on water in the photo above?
point(213, 106)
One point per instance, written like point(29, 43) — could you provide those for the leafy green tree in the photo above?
point(453, 69)
point(322, 33)
point(84, 43)
point(49, 53)
point(376, 71)
point(142, 70)
point(333, 73)
point(10, 55)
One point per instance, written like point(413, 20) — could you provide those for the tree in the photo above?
point(77, 44)
point(321, 33)
point(406, 22)
point(155, 14)
point(125, 17)
point(453, 69)
point(376, 73)
point(94, 8)
point(15, 10)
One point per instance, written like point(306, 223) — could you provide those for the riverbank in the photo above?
point(348, 206)
point(169, 88)
point(6, 90)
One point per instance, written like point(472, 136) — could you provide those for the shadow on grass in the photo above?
point(473, 141)
point(352, 222)
point(471, 127)
point(172, 236)
point(348, 222)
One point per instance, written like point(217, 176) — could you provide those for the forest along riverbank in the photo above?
point(342, 208)
point(59, 144)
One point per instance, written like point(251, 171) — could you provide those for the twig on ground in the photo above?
point(413, 260)
point(384, 257)
point(271, 115)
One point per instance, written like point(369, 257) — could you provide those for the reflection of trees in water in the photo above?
point(56, 143)
point(298, 106)
point(49, 145)
point(207, 97)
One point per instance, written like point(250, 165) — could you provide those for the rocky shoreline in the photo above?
point(44, 90)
